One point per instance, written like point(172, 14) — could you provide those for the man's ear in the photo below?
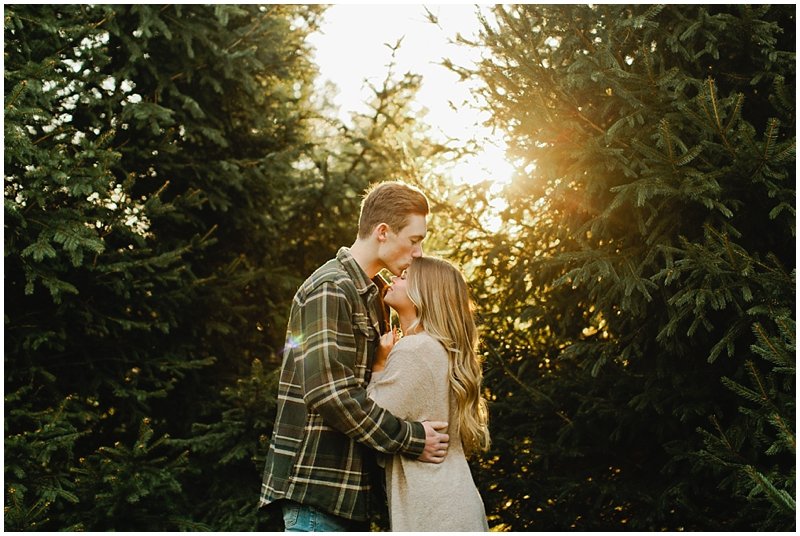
point(380, 232)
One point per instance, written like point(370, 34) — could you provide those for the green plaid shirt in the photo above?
point(319, 454)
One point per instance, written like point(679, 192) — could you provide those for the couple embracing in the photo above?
point(358, 406)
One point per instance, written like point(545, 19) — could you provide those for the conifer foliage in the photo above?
point(170, 179)
point(148, 157)
point(638, 305)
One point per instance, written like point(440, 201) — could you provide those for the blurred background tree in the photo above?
point(638, 303)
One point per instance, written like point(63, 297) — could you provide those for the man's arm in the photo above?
point(330, 387)
point(401, 388)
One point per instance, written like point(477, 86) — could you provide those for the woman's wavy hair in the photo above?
point(445, 311)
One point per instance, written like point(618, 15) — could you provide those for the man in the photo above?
point(326, 429)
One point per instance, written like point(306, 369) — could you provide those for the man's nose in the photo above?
point(416, 252)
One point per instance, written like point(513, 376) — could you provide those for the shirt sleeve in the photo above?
point(330, 386)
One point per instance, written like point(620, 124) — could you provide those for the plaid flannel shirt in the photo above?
point(319, 454)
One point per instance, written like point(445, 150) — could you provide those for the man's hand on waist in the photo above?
point(436, 442)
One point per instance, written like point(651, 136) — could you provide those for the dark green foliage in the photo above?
point(148, 159)
point(230, 451)
point(769, 410)
point(649, 235)
point(135, 486)
point(169, 184)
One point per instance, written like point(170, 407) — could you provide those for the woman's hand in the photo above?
point(385, 345)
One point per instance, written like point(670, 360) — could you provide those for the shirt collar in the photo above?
point(364, 285)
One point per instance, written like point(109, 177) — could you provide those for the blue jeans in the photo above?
point(303, 518)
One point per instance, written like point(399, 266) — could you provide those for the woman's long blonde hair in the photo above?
point(444, 310)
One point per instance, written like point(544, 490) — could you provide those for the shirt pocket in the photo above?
point(366, 338)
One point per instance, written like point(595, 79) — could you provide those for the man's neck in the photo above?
point(364, 254)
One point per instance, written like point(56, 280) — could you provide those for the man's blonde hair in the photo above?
point(391, 203)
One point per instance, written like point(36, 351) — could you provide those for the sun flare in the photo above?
point(447, 102)
point(489, 165)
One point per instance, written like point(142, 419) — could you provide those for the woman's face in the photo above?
point(397, 294)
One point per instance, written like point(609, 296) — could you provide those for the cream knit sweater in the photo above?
point(425, 496)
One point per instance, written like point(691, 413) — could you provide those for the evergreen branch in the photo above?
point(757, 379)
point(785, 329)
point(380, 110)
point(16, 93)
point(774, 270)
point(160, 190)
point(46, 136)
point(788, 434)
point(211, 231)
point(255, 26)
point(736, 113)
point(771, 136)
point(717, 119)
point(765, 339)
point(663, 125)
point(595, 126)
point(727, 244)
point(534, 393)
point(181, 74)
point(648, 62)
point(586, 41)
point(536, 55)
point(778, 497)
point(777, 420)
point(731, 450)
point(96, 25)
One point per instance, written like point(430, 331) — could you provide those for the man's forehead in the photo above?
point(417, 226)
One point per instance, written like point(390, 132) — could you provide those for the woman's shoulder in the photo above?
point(420, 340)
point(421, 345)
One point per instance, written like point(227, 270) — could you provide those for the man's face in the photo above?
point(399, 249)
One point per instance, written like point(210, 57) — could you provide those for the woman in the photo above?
point(433, 373)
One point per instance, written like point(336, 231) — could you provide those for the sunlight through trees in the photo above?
point(172, 173)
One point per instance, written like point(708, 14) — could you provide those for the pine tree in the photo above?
point(649, 229)
point(169, 183)
point(149, 160)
